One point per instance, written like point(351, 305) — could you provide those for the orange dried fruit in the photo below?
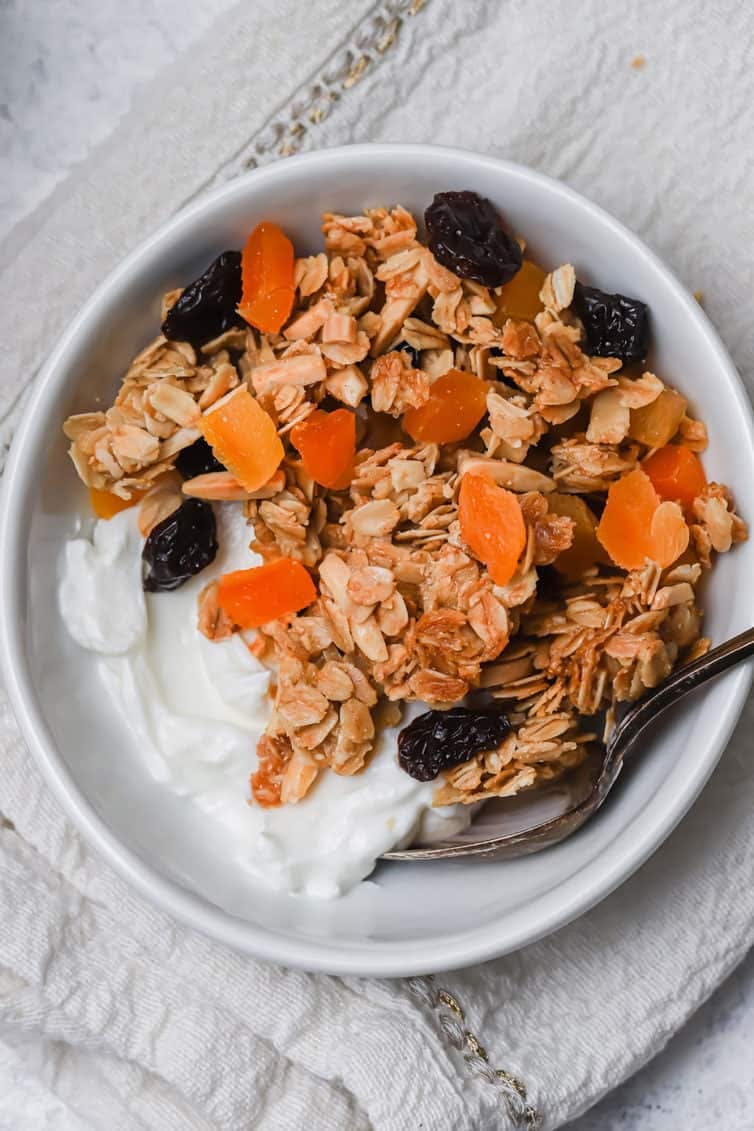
point(519, 298)
point(327, 444)
point(636, 525)
point(243, 437)
point(676, 473)
point(457, 402)
point(584, 551)
point(669, 534)
point(105, 504)
point(492, 525)
point(657, 423)
point(267, 288)
point(251, 597)
point(625, 527)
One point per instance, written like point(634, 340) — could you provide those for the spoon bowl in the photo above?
point(532, 821)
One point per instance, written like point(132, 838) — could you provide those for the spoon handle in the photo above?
point(676, 686)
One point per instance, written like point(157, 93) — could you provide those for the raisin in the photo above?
point(466, 235)
point(207, 307)
point(438, 740)
point(197, 459)
point(614, 325)
point(179, 546)
point(413, 354)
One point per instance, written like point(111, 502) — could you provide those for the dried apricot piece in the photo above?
point(637, 525)
point(457, 402)
point(327, 444)
point(105, 504)
point(251, 597)
point(584, 551)
point(492, 525)
point(676, 473)
point(625, 527)
point(267, 266)
point(657, 423)
point(243, 437)
point(519, 298)
point(669, 534)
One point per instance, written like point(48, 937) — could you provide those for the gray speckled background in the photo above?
point(68, 71)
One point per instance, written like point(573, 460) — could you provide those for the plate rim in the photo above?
point(649, 828)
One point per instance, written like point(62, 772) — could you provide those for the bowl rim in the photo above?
point(624, 854)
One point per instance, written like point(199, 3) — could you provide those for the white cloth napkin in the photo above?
point(113, 1017)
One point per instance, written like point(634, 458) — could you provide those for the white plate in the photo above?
point(408, 918)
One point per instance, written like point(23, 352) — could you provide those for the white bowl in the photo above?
point(411, 918)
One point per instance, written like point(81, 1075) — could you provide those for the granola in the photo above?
point(406, 606)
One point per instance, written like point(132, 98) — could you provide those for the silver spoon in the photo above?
point(538, 819)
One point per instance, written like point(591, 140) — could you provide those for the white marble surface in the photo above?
point(68, 71)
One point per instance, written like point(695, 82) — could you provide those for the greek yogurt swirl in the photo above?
point(196, 709)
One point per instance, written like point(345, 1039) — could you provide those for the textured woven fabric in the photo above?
point(111, 1016)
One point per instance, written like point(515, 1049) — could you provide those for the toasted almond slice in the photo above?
point(347, 353)
point(300, 775)
point(370, 585)
point(130, 443)
point(557, 290)
point(82, 422)
point(181, 439)
point(336, 575)
point(511, 475)
point(376, 518)
point(309, 321)
point(221, 486)
point(610, 418)
point(347, 385)
point(272, 487)
point(310, 273)
point(177, 405)
point(224, 378)
point(670, 595)
point(159, 502)
point(302, 369)
point(340, 328)
point(212, 622)
point(369, 640)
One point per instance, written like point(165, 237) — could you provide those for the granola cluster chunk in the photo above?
point(406, 607)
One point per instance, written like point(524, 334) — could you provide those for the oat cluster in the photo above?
point(404, 610)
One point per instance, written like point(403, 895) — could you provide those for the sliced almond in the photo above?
point(376, 518)
point(302, 369)
point(222, 486)
point(511, 475)
point(164, 498)
point(347, 385)
point(174, 403)
point(340, 328)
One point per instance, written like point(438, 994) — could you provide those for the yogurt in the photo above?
point(197, 708)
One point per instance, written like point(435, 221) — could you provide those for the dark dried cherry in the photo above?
point(465, 234)
point(207, 307)
point(614, 325)
point(412, 354)
point(438, 740)
point(179, 546)
point(197, 459)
